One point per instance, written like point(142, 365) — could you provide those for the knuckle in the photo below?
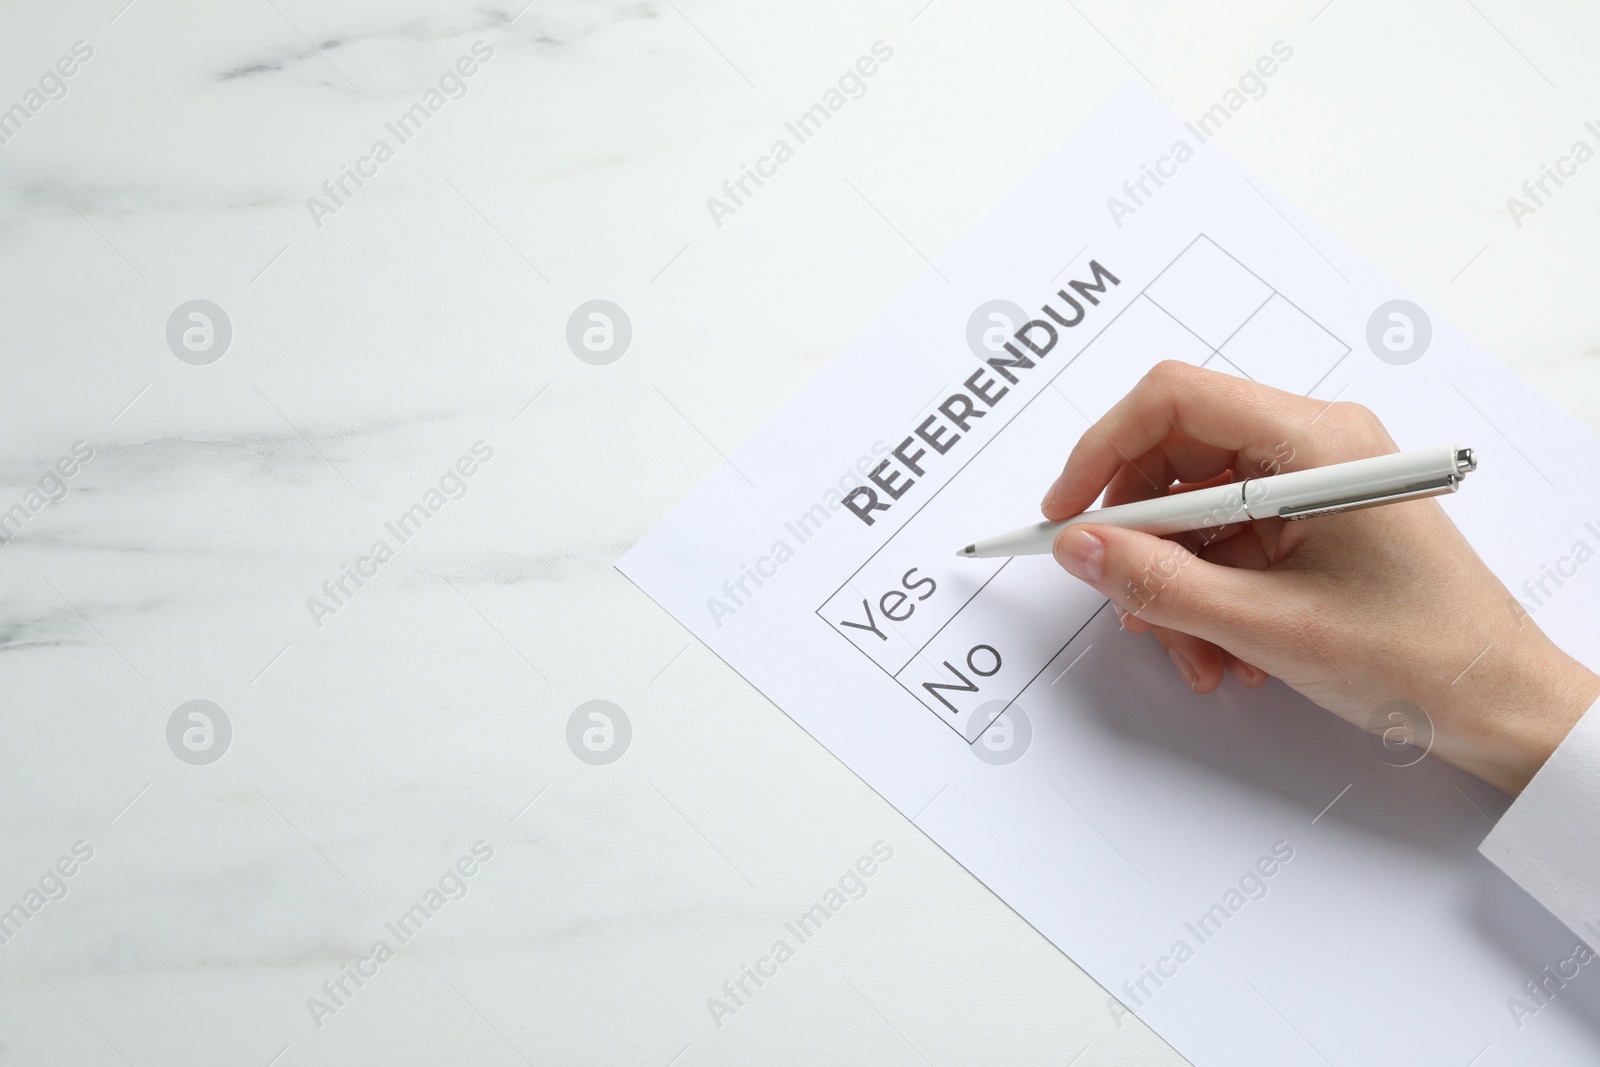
point(1358, 420)
point(1169, 372)
point(1354, 414)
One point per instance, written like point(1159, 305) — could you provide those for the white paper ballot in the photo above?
point(1243, 871)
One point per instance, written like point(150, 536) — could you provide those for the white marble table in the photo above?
point(380, 730)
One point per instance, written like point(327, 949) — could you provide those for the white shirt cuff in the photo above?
point(1549, 839)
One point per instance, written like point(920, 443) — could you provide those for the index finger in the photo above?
point(1250, 420)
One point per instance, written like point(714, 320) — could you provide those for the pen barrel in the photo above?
point(1299, 494)
point(1358, 483)
point(1197, 509)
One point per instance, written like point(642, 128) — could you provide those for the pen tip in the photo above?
point(968, 552)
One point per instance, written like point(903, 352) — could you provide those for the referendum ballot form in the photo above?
point(1258, 881)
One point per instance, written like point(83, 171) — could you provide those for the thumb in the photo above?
point(1160, 581)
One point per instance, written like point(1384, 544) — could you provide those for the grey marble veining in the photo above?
point(373, 746)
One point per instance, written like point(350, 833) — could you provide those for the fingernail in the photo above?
point(1048, 496)
point(1183, 667)
point(1081, 553)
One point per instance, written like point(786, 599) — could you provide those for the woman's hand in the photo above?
point(1355, 610)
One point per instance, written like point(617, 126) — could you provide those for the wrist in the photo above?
point(1506, 717)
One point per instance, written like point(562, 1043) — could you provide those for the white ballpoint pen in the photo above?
point(1361, 483)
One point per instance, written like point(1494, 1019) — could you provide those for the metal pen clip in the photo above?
point(1466, 461)
point(1448, 484)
